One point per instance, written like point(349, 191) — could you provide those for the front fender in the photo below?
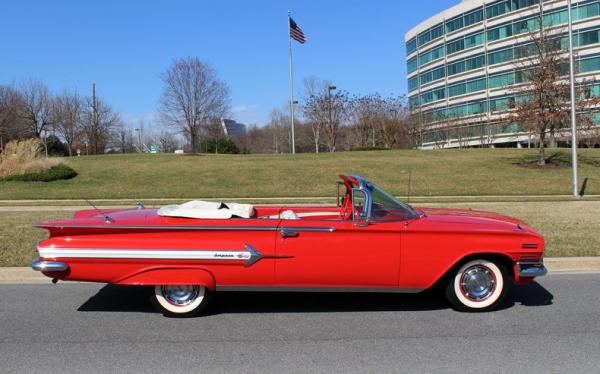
point(170, 276)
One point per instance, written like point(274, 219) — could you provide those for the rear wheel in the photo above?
point(477, 286)
point(181, 301)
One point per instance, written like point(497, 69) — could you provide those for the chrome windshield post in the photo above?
point(363, 216)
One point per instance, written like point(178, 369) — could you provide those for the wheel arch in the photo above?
point(170, 276)
point(500, 258)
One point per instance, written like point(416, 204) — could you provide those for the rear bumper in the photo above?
point(49, 266)
point(531, 269)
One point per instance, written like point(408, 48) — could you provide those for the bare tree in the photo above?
point(68, 117)
point(125, 140)
point(391, 121)
point(325, 111)
point(99, 122)
point(377, 121)
point(192, 92)
point(279, 126)
point(36, 110)
point(167, 142)
point(542, 104)
point(10, 123)
point(362, 114)
point(313, 107)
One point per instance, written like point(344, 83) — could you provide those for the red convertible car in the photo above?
point(368, 242)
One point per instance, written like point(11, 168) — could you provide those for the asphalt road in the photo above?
point(549, 326)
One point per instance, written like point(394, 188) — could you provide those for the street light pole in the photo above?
point(573, 113)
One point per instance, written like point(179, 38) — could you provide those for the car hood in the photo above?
point(473, 219)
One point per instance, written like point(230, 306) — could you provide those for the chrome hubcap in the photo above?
point(180, 295)
point(478, 283)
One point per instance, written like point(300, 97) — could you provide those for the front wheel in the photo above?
point(180, 301)
point(477, 286)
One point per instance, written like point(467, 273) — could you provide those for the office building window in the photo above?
point(413, 84)
point(454, 24)
point(411, 46)
point(412, 65)
point(473, 17)
point(497, 9)
point(500, 56)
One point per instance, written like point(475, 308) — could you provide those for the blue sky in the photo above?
point(123, 46)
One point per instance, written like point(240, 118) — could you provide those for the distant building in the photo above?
point(233, 128)
point(463, 66)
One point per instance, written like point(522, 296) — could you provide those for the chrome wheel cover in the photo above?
point(477, 283)
point(180, 295)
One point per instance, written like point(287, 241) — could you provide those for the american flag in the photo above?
point(296, 32)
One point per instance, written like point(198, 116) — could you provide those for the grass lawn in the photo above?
point(569, 227)
point(469, 172)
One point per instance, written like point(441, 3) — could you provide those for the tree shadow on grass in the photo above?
point(114, 298)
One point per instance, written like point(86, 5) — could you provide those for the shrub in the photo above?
point(56, 147)
point(57, 172)
point(226, 146)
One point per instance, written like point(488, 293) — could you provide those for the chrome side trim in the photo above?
point(48, 266)
point(256, 256)
point(307, 229)
point(197, 228)
point(531, 269)
point(318, 289)
point(191, 254)
point(251, 255)
point(168, 228)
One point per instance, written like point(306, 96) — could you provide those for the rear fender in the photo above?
point(170, 276)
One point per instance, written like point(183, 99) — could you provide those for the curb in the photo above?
point(25, 275)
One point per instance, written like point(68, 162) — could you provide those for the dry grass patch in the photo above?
point(23, 157)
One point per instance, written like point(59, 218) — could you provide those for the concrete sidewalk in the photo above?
point(25, 275)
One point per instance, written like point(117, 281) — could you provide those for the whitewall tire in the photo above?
point(477, 286)
point(180, 301)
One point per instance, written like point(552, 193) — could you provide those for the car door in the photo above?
point(337, 253)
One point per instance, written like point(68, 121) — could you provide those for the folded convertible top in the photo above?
point(207, 210)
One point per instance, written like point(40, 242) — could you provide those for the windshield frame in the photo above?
point(389, 201)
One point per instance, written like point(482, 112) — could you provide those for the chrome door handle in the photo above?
point(285, 233)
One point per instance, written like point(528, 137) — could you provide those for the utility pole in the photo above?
point(94, 115)
point(573, 113)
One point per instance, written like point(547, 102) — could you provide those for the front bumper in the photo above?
point(49, 266)
point(531, 269)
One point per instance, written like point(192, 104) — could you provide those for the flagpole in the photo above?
point(291, 83)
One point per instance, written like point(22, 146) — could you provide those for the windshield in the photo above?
point(386, 207)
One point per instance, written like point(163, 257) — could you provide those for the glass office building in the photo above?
point(465, 66)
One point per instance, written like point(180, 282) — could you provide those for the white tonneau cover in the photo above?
point(207, 210)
